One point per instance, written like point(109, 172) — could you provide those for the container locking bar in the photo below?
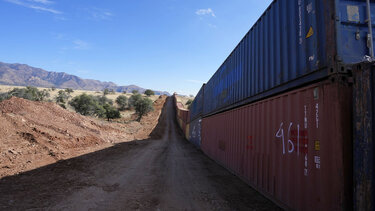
point(370, 41)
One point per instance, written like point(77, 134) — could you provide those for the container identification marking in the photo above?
point(317, 162)
point(353, 13)
point(296, 140)
point(317, 145)
point(310, 33)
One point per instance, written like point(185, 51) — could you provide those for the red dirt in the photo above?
point(35, 134)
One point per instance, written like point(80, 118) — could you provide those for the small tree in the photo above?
point(87, 105)
point(53, 88)
point(149, 92)
point(134, 99)
point(69, 90)
point(106, 92)
point(142, 107)
point(111, 112)
point(102, 100)
point(62, 98)
point(135, 91)
point(122, 102)
point(124, 92)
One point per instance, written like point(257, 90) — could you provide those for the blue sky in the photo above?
point(169, 45)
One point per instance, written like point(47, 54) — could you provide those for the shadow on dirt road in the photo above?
point(162, 173)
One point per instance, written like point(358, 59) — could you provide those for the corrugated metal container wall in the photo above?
point(295, 148)
point(196, 107)
point(287, 47)
point(195, 132)
point(364, 137)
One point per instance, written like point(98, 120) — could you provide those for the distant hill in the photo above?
point(25, 75)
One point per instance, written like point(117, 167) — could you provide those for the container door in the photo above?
point(352, 30)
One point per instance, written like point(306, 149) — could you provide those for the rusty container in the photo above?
point(295, 148)
point(364, 137)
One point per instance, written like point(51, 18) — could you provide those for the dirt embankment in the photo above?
point(34, 134)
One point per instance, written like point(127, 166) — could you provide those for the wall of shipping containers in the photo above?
point(195, 128)
point(294, 148)
point(196, 108)
point(286, 48)
point(364, 137)
point(182, 116)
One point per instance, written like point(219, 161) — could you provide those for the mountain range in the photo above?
point(25, 75)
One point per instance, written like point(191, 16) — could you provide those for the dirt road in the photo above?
point(165, 174)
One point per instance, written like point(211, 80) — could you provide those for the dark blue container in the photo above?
point(295, 42)
point(196, 108)
point(364, 136)
point(195, 129)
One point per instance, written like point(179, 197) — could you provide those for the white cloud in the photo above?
point(208, 11)
point(36, 5)
point(81, 45)
point(99, 14)
point(42, 1)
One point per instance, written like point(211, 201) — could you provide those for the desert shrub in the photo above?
point(53, 88)
point(103, 100)
point(134, 99)
point(142, 107)
point(69, 90)
point(149, 92)
point(3, 96)
point(62, 97)
point(106, 92)
point(111, 112)
point(135, 91)
point(122, 102)
point(87, 105)
point(29, 93)
point(99, 106)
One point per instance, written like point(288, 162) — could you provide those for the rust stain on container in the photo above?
point(294, 148)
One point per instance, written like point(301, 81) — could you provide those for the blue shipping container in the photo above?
point(364, 136)
point(196, 108)
point(195, 132)
point(293, 43)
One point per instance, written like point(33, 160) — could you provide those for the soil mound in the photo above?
point(33, 134)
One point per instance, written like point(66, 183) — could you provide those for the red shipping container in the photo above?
point(294, 148)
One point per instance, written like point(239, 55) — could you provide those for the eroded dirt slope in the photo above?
point(34, 134)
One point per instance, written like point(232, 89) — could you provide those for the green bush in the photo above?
point(103, 100)
point(29, 93)
point(135, 91)
point(99, 106)
point(149, 92)
point(122, 102)
point(134, 99)
point(142, 107)
point(106, 92)
point(69, 90)
point(62, 97)
point(111, 112)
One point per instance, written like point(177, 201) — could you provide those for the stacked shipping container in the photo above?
point(182, 116)
point(293, 147)
point(278, 111)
